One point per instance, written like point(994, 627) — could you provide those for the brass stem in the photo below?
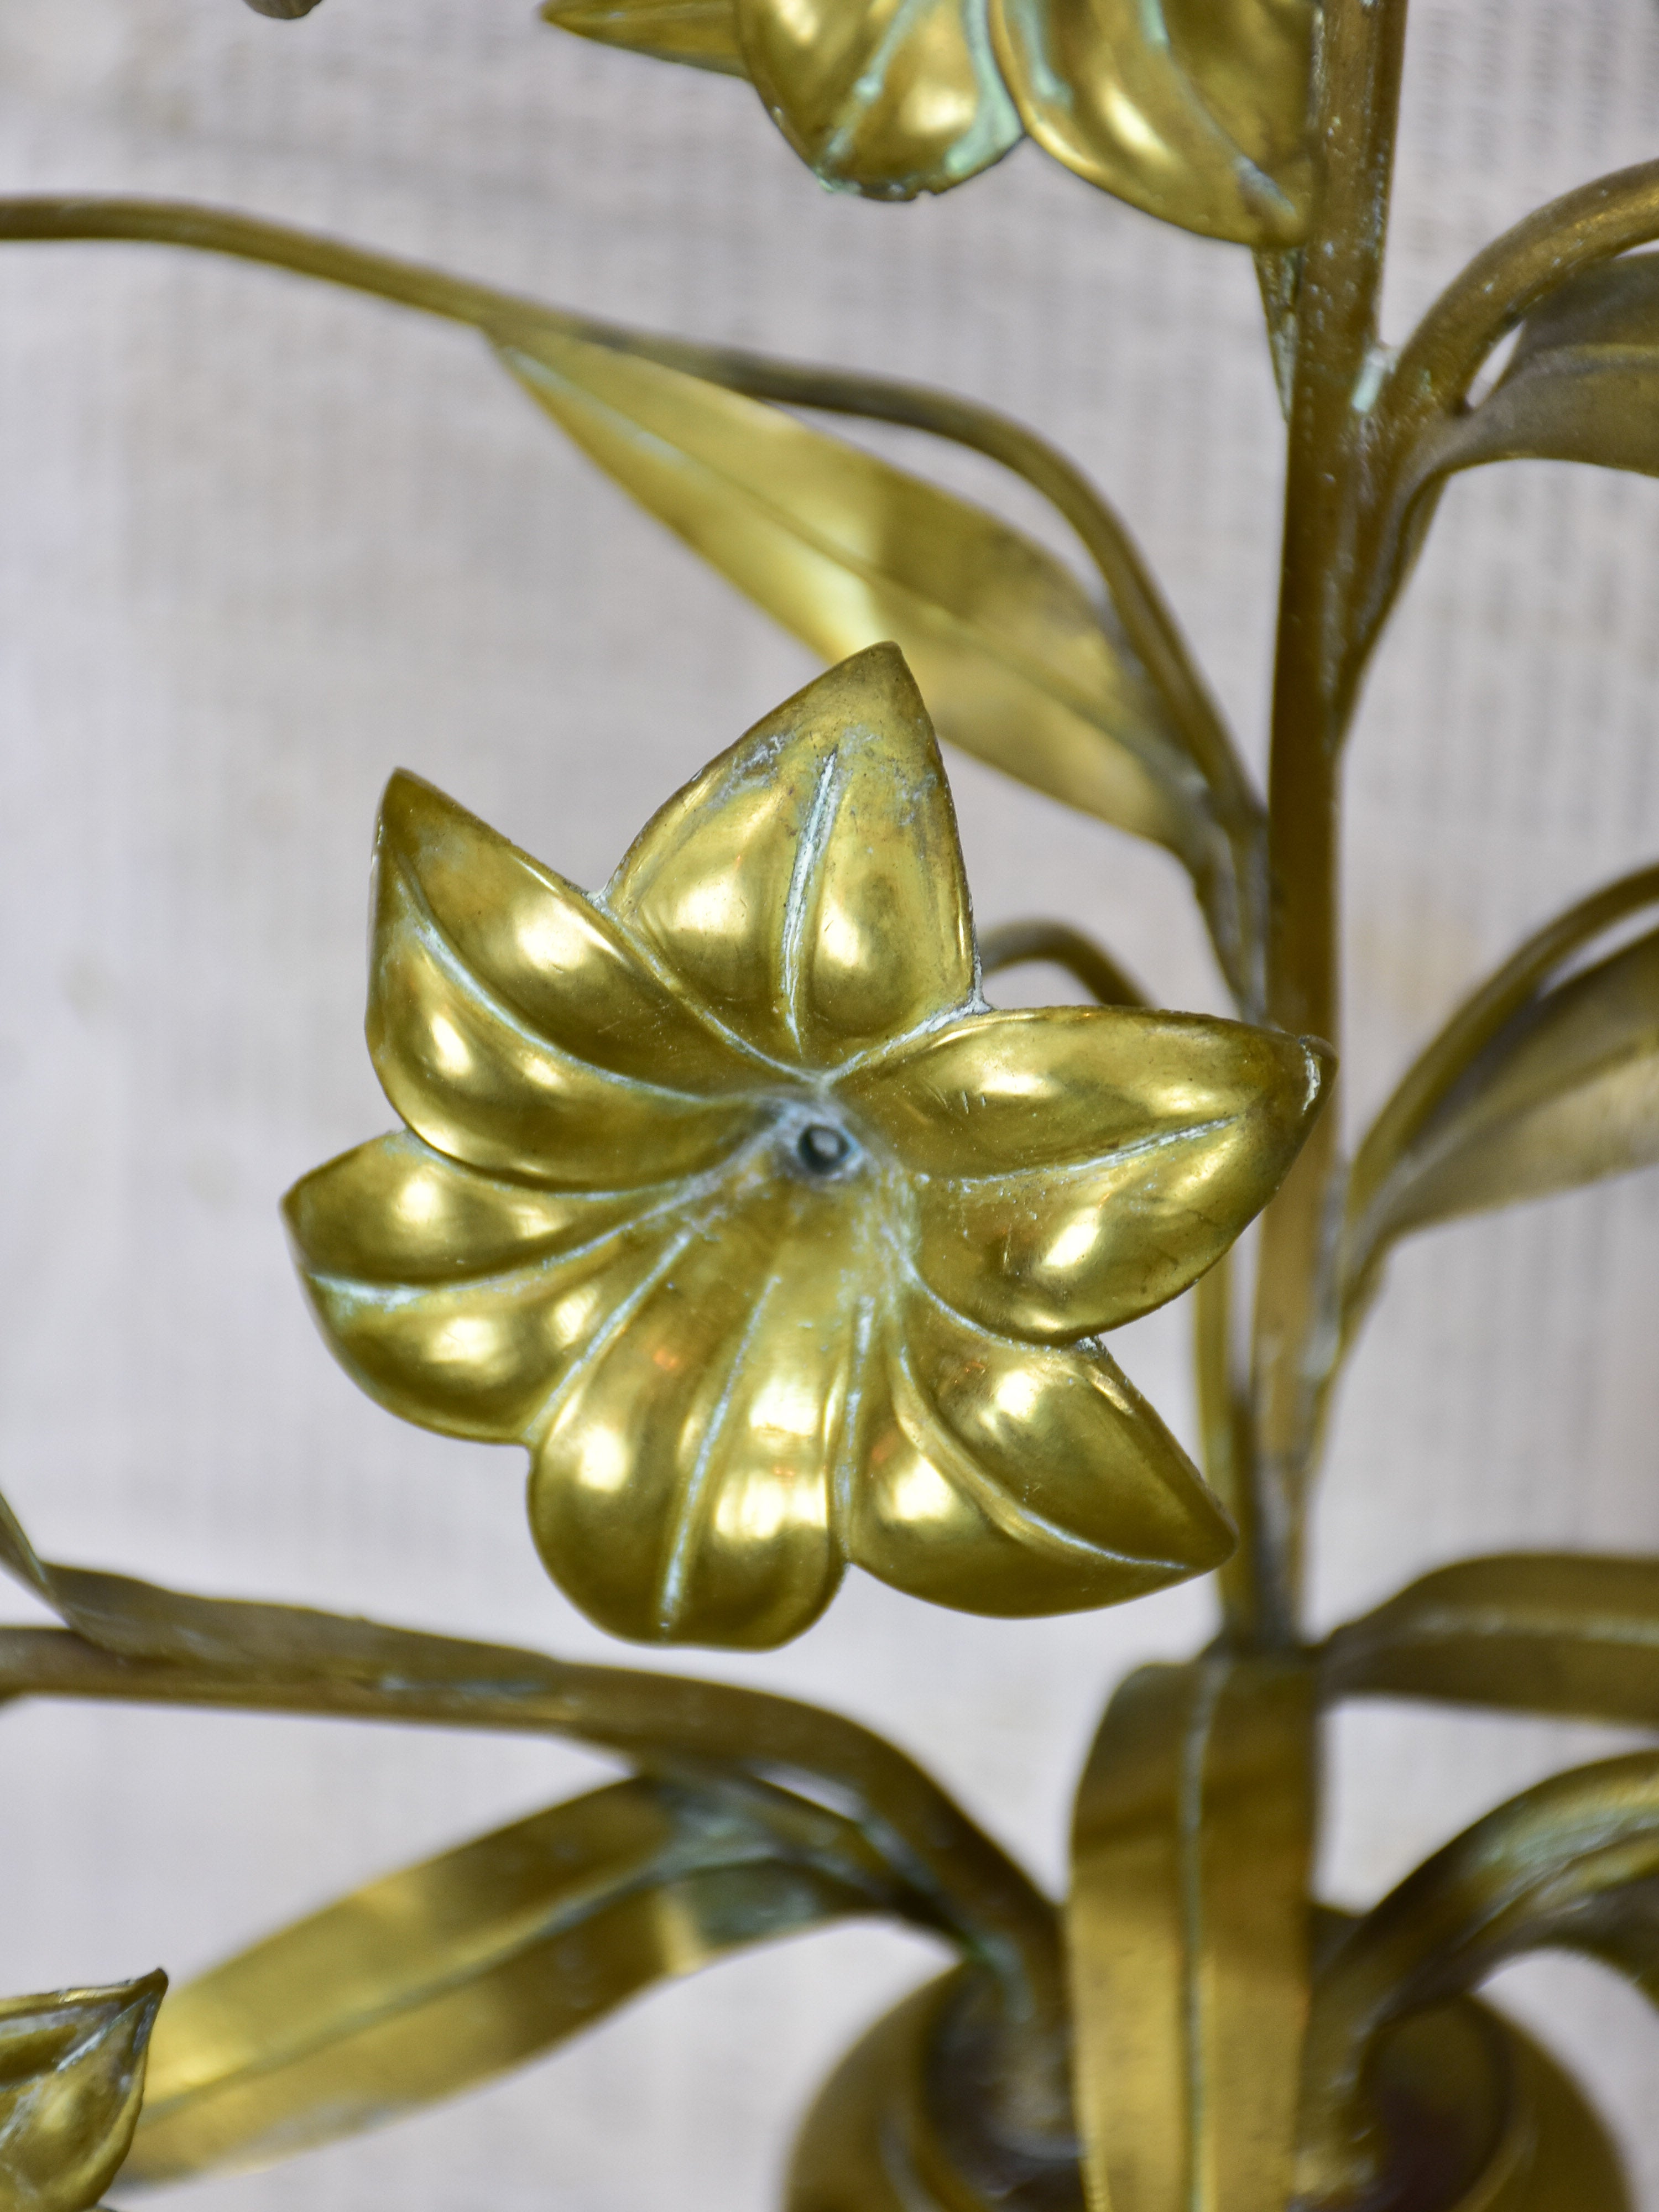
point(1224, 1432)
point(1337, 339)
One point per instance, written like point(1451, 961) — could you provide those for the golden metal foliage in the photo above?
point(725, 1193)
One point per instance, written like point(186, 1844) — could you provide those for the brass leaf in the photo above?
point(1194, 110)
point(1189, 1934)
point(845, 551)
point(439, 1977)
point(1582, 384)
point(71, 2077)
point(1571, 1864)
point(1533, 1086)
point(1532, 1632)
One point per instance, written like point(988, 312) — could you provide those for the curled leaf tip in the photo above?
point(725, 1193)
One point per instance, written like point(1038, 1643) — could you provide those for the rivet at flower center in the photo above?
point(822, 1148)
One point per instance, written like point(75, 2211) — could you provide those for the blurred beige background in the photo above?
point(260, 542)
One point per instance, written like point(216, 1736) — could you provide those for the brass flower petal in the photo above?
point(1081, 1165)
point(459, 1301)
point(889, 98)
point(809, 884)
point(549, 954)
point(725, 1194)
point(1194, 110)
point(683, 1476)
point(395, 1212)
point(1006, 1478)
point(488, 1084)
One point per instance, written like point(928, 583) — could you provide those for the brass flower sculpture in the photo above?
point(727, 1193)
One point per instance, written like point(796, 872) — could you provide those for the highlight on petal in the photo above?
point(71, 2081)
point(809, 886)
point(458, 1300)
point(1012, 1478)
point(1194, 110)
point(510, 1025)
point(1078, 1166)
point(888, 98)
point(685, 1473)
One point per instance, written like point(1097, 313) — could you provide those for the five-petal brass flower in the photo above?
point(725, 1194)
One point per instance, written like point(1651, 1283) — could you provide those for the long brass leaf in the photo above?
point(134, 1642)
point(1533, 1086)
point(1567, 1093)
point(1227, 856)
point(1572, 1864)
point(71, 2076)
point(433, 1979)
point(846, 550)
point(1189, 1936)
point(1531, 1631)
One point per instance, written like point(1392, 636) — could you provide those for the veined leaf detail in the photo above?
point(1189, 1934)
point(846, 550)
point(439, 1977)
point(1194, 110)
point(1532, 1632)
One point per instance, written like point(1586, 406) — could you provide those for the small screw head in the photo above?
point(822, 1149)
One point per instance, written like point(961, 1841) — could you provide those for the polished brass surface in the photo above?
point(1189, 1936)
point(701, 33)
point(71, 2080)
point(1535, 1631)
point(889, 97)
point(430, 1980)
point(728, 1195)
point(725, 1193)
point(1194, 110)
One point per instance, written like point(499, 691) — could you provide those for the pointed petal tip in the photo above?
point(875, 684)
point(408, 798)
point(1322, 1063)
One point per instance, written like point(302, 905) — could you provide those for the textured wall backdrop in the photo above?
point(260, 542)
